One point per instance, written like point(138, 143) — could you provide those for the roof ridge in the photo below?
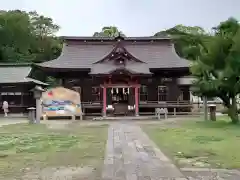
point(136, 38)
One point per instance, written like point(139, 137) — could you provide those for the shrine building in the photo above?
point(123, 75)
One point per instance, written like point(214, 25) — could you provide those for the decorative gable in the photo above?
point(119, 55)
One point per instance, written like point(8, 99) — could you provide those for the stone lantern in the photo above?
point(37, 93)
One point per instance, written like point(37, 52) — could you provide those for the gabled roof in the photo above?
point(83, 52)
point(120, 60)
point(16, 73)
point(119, 51)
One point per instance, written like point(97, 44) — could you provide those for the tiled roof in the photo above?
point(157, 56)
point(16, 74)
point(155, 52)
point(79, 56)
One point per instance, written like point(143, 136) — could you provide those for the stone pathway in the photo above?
point(131, 155)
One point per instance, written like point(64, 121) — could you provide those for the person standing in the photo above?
point(5, 108)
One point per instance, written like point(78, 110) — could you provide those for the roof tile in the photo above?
point(79, 56)
point(16, 74)
point(159, 54)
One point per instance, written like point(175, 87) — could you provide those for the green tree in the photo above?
point(46, 45)
point(188, 48)
point(27, 37)
point(216, 63)
point(16, 36)
point(109, 31)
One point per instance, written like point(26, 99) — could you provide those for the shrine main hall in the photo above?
point(123, 75)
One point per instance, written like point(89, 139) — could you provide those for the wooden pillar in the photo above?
point(136, 101)
point(109, 96)
point(22, 98)
point(104, 101)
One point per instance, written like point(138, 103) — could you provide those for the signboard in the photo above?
point(61, 101)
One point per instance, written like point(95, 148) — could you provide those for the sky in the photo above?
point(133, 17)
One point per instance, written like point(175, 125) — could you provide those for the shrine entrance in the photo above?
point(121, 102)
point(120, 96)
point(120, 70)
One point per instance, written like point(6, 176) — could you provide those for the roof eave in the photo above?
point(36, 81)
point(140, 75)
point(52, 69)
point(170, 68)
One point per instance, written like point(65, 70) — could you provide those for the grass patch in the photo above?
point(24, 146)
point(204, 143)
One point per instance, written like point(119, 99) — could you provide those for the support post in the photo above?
point(37, 92)
point(174, 111)
point(38, 110)
point(104, 101)
point(136, 102)
point(21, 99)
point(205, 108)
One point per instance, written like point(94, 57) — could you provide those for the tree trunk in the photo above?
point(232, 111)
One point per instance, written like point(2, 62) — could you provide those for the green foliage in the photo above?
point(216, 60)
point(27, 37)
point(109, 31)
point(186, 40)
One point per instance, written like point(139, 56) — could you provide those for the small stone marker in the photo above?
point(31, 115)
point(212, 111)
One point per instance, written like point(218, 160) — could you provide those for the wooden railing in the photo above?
point(91, 105)
point(165, 104)
point(146, 104)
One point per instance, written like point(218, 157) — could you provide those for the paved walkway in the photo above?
point(131, 155)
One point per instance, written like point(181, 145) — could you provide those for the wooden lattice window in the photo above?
point(143, 94)
point(162, 93)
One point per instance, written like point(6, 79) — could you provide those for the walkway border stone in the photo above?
point(131, 155)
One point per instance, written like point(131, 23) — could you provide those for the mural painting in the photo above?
point(61, 101)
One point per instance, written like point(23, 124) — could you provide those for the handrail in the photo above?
point(165, 102)
point(93, 103)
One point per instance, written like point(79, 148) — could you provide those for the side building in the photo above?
point(123, 75)
point(15, 86)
